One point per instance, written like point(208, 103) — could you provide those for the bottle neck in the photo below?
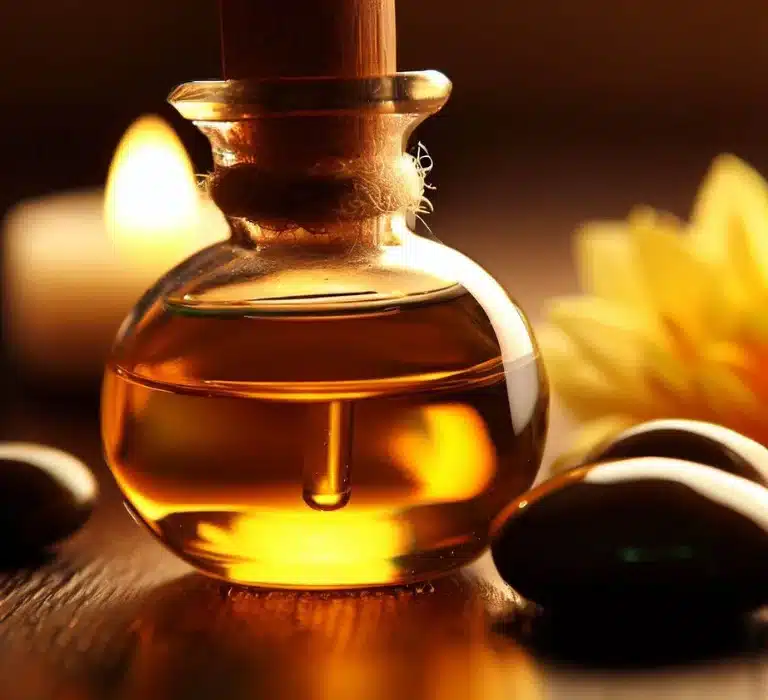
point(314, 160)
point(335, 238)
point(314, 180)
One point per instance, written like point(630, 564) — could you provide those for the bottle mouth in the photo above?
point(233, 100)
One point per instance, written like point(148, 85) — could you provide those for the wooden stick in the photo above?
point(271, 39)
point(308, 38)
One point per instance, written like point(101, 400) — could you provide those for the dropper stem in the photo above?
point(327, 466)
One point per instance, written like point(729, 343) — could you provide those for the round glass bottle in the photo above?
point(327, 399)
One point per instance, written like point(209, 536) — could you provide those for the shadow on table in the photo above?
point(644, 641)
point(14, 560)
point(197, 638)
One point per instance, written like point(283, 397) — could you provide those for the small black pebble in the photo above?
point(659, 535)
point(694, 441)
point(45, 496)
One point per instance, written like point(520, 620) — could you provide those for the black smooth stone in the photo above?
point(641, 535)
point(694, 441)
point(45, 496)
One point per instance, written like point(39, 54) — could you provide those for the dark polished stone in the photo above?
point(695, 441)
point(644, 535)
point(45, 496)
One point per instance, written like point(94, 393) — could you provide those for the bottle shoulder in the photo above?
point(277, 281)
point(233, 315)
point(280, 279)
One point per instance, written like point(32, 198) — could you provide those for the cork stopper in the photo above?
point(268, 39)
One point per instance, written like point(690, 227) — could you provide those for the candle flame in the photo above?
point(152, 206)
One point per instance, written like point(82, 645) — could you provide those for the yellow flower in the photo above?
point(674, 319)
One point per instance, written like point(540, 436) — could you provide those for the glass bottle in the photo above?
point(327, 399)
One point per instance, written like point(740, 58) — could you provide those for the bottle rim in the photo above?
point(234, 100)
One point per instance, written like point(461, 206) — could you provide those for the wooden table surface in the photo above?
point(113, 615)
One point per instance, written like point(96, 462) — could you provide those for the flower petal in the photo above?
point(585, 391)
point(671, 380)
point(612, 337)
point(754, 323)
point(726, 398)
point(606, 264)
point(743, 272)
point(732, 191)
point(678, 284)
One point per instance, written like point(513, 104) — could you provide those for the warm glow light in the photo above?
point(298, 547)
point(152, 206)
point(452, 459)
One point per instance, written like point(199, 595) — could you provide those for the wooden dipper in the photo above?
point(269, 40)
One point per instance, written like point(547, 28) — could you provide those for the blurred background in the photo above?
point(554, 99)
point(562, 111)
point(75, 72)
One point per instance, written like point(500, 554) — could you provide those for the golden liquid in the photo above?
point(368, 447)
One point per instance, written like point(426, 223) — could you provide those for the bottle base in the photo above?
point(420, 567)
point(279, 551)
